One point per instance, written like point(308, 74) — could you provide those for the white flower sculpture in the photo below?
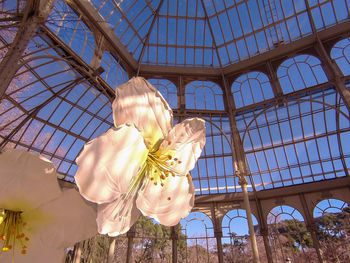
point(141, 165)
point(38, 220)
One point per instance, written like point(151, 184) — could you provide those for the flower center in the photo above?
point(12, 231)
point(160, 167)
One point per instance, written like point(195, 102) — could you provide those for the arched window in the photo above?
point(300, 72)
point(167, 89)
point(294, 144)
point(250, 88)
point(214, 172)
point(235, 236)
point(332, 218)
point(204, 95)
point(198, 230)
point(114, 74)
point(288, 235)
point(341, 54)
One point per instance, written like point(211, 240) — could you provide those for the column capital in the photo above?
point(242, 180)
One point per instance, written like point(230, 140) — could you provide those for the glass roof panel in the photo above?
point(296, 143)
point(66, 24)
point(213, 33)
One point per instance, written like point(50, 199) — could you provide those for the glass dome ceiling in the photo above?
point(248, 67)
point(208, 33)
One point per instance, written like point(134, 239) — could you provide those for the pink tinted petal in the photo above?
point(36, 252)
point(184, 144)
point(108, 163)
point(117, 217)
point(27, 180)
point(69, 219)
point(167, 204)
point(138, 102)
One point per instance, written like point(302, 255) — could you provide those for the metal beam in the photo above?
point(320, 186)
point(338, 31)
point(35, 15)
point(89, 12)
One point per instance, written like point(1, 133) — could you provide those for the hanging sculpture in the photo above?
point(38, 219)
point(142, 164)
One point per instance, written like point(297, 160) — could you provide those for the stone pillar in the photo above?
point(218, 236)
point(111, 250)
point(243, 183)
point(77, 252)
point(311, 227)
point(130, 235)
point(217, 232)
point(35, 15)
point(174, 238)
point(264, 230)
point(265, 234)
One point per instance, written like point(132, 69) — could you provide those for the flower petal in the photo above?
point(138, 102)
point(184, 144)
point(37, 252)
point(169, 203)
point(70, 219)
point(108, 163)
point(27, 180)
point(117, 217)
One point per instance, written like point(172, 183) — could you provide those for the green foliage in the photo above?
point(296, 232)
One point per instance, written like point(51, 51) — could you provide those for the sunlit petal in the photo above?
point(70, 219)
point(138, 102)
point(108, 163)
point(36, 252)
point(25, 178)
point(169, 203)
point(184, 144)
point(117, 217)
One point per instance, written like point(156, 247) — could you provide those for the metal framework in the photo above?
point(271, 77)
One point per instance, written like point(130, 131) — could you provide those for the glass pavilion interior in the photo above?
point(270, 77)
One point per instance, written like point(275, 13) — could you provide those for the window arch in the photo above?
point(167, 89)
point(214, 173)
point(204, 95)
point(250, 88)
point(235, 235)
point(199, 233)
point(332, 218)
point(341, 54)
point(300, 72)
point(288, 234)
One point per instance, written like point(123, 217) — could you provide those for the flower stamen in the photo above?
point(11, 229)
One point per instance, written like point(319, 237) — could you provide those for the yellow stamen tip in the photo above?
point(5, 249)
